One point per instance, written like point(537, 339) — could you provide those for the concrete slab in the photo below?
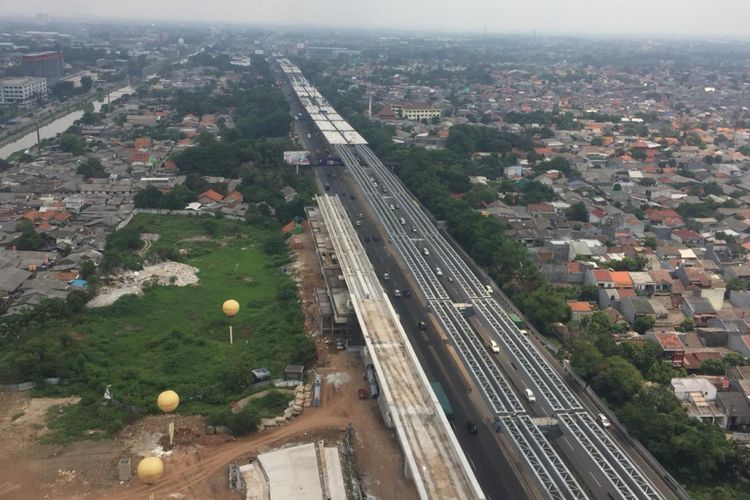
point(334, 474)
point(293, 473)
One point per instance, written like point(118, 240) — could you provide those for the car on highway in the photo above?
point(396, 292)
point(367, 239)
point(493, 346)
point(604, 421)
point(340, 344)
point(391, 206)
point(529, 395)
point(422, 325)
point(438, 271)
point(407, 293)
point(358, 223)
point(425, 251)
point(375, 237)
point(352, 197)
point(471, 428)
point(386, 276)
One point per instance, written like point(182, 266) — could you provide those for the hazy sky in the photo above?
point(682, 17)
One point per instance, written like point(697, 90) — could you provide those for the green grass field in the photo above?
point(177, 338)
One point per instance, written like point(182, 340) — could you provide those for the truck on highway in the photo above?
point(516, 320)
point(442, 398)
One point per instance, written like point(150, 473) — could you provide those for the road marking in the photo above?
point(471, 463)
point(594, 478)
point(568, 443)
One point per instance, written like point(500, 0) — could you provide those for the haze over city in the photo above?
point(693, 18)
point(413, 250)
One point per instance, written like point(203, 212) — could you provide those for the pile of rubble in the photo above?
point(132, 282)
point(302, 397)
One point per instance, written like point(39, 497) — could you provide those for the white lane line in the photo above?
point(594, 478)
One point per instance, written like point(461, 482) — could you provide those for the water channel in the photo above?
point(57, 126)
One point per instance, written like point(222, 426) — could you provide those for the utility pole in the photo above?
point(38, 137)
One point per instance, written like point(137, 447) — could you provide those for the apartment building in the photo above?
point(21, 90)
point(415, 111)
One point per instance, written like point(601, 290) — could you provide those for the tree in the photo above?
point(150, 197)
point(91, 168)
point(71, 143)
point(244, 421)
point(617, 380)
point(86, 83)
point(589, 293)
point(734, 359)
point(544, 307)
point(617, 187)
point(662, 372)
point(643, 323)
point(577, 212)
point(687, 325)
point(713, 367)
point(62, 89)
point(29, 239)
point(586, 360)
point(546, 133)
point(597, 141)
point(88, 269)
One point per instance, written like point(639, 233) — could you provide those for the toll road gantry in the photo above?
point(433, 458)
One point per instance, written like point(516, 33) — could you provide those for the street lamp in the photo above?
point(231, 308)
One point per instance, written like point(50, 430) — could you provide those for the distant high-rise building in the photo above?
point(47, 65)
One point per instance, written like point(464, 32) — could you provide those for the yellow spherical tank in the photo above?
point(168, 401)
point(150, 469)
point(231, 308)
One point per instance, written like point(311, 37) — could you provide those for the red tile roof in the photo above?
point(669, 341)
point(602, 275)
point(621, 279)
point(575, 267)
point(580, 306)
point(211, 195)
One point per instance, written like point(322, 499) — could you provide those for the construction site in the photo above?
point(337, 448)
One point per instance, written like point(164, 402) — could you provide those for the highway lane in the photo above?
point(614, 466)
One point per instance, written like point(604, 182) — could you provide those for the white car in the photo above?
point(438, 271)
point(604, 421)
point(493, 346)
point(530, 395)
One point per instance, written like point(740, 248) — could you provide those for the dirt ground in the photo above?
point(195, 468)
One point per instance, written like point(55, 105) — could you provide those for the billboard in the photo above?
point(297, 157)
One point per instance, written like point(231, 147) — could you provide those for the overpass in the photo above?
point(433, 457)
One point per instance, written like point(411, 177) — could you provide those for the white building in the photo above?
point(21, 90)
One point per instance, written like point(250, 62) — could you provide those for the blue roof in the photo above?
point(79, 283)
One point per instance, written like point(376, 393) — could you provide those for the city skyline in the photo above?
point(575, 17)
